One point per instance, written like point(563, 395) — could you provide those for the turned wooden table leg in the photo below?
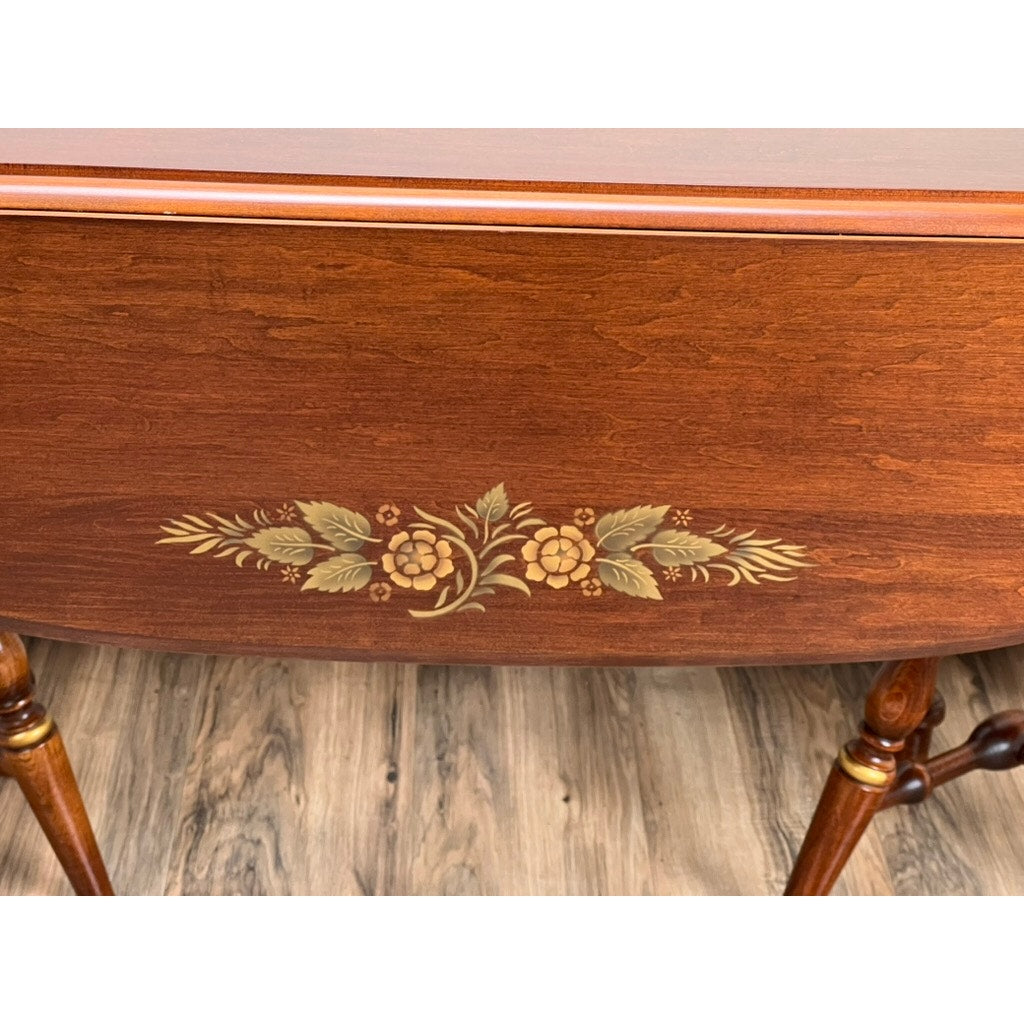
point(918, 744)
point(32, 752)
point(863, 772)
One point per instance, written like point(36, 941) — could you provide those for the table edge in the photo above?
point(327, 652)
point(903, 214)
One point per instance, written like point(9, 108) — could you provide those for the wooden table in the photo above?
point(624, 397)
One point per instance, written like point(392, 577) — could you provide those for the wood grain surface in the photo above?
point(844, 158)
point(375, 779)
point(858, 398)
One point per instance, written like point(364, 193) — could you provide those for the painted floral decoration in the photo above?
point(584, 517)
point(556, 556)
point(418, 561)
point(388, 513)
point(464, 559)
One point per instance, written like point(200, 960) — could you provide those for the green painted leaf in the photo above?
point(679, 547)
point(618, 531)
point(342, 572)
point(493, 505)
point(629, 575)
point(288, 544)
point(345, 529)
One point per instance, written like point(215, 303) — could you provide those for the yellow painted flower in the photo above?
point(388, 514)
point(557, 555)
point(380, 592)
point(584, 517)
point(418, 561)
point(591, 588)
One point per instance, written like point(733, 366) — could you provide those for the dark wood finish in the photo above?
point(32, 752)
point(895, 708)
point(919, 741)
point(996, 745)
point(157, 370)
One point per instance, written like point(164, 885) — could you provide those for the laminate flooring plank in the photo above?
point(541, 811)
point(490, 810)
point(527, 783)
point(126, 718)
point(693, 781)
point(461, 796)
point(294, 781)
point(605, 836)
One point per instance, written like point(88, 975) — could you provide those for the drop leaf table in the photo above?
point(670, 397)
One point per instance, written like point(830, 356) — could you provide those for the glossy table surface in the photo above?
point(983, 160)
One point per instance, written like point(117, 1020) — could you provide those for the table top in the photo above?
point(960, 183)
point(904, 159)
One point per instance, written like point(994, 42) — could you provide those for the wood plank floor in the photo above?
point(214, 775)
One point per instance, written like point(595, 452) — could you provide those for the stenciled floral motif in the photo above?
point(556, 556)
point(584, 517)
point(418, 561)
point(388, 513)
point(330, 549)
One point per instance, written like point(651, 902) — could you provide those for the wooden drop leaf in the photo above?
point(345, 529)
point(678, 547)
point(288, 544)
point(618, 531)
point(624, 573)
point(346, 572)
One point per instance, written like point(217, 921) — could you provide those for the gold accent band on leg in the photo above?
point(861, 773)
point(28, 738)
